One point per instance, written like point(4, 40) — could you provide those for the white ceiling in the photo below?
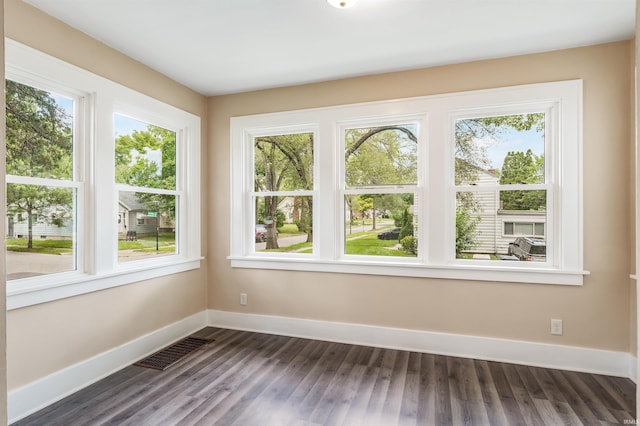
point(228, 46)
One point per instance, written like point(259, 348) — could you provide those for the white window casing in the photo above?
point(435, 115)
point(97, 100)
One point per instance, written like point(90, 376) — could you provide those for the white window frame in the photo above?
point(97, 264)
point(436, 230)
point(552, 171)
point(249, 225)
point(389, 120)
point(514, 223)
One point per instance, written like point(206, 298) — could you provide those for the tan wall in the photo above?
point(595, 315)
point(633, 296)
point(74, 329)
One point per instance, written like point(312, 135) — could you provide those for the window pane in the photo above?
point(40, 230)
point(539, 229)
point(500, 150)
point(385, 155)
point(478, 227)
point(283, 162)
point(146, 225)
point(508, 228)
point(381, 225)
point(524, 228)
point(284, 224)
point(39, 138)
point(145, 155)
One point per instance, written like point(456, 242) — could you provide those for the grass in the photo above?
point(370, 245)
point(470, 256)
point(147, 243)
point(40, 246)
point(360, 243)
point(289, 230)
point(297, 248)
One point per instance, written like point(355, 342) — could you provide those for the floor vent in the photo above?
point(168, 356)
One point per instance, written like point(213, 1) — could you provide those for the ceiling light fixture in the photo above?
point(342, 4)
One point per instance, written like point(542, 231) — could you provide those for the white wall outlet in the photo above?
point(243, 298)
point(556, 327)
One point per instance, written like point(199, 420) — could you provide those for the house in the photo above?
point(498, 227)
point(134, 216)
point(87, 336)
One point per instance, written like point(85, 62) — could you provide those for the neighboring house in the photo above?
point(133, 216)
point(17, 227)
point(496, 227)
point(287, 206)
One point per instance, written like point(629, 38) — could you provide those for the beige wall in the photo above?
point(633, 296)
point(596, 315)
point(77, 328)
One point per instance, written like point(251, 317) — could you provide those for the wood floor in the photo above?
point(257, 379)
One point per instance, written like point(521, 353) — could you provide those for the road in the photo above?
point(289, 241)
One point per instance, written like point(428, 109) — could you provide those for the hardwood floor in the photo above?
point(248, 378)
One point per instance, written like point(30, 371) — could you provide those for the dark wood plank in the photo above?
point(259, 379)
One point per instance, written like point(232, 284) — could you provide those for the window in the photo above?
point(282, 200)
point(499, 174)
point(43, 182)
point(103, 182)
point(380, 181)
point(524, 229)
point(438, 186)
point(145, 174)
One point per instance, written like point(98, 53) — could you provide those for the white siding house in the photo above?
point(496, 227)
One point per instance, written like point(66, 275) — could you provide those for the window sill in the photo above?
point(458, 272)
point(29, 292)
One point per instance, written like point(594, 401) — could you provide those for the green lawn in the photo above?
point(361, 243)
point(288, 230)
point(166, 243)
point(40, 246)
point(370, 245)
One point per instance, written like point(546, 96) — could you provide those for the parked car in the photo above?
point(261, 233)
point(529, 248)
point(392, 234)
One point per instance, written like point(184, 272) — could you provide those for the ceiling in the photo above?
point(219, 47)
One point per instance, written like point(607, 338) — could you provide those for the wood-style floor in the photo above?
point(258, 379)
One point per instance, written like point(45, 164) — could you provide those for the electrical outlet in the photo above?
point(556, 327)
point(243, 298)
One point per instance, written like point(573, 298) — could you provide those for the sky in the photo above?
point(513, 140)
point(126, 125)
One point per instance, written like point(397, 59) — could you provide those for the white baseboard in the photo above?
point(486, 348)
point(37, 395)
point(34, 396)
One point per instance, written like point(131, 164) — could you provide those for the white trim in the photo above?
point(562, 102)
point(408, 267)
point(37, 395)
point(97, 265)
point(546, 355)
point(61, 286)
point(34, 396)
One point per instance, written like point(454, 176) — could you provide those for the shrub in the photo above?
point(409, 244)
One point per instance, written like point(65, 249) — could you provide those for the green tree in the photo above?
point(285, 163)
point(522, 168)
point(466, 226)
point(134, 165)
point(406, 224)
point(471, 158)
point(39, 143)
